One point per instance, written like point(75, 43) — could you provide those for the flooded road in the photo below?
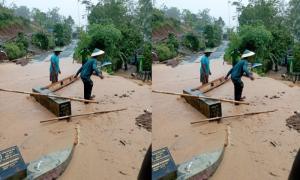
point(250, 155)
point(99, 153)
point(216, 55)
point(68, 52)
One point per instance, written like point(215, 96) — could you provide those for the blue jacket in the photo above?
point(88, 68)
point(239, 69)
point(204, 68)
point(54, 63)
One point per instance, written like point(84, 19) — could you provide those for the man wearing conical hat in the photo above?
point(54, 65)
point(205, 68)
point(238, 71)
point(87, 70)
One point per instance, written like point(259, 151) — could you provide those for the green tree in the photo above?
point(108, 12)
point(213, 35)
point(39, 17)
point(173, 12)
point(294, 18)
point(145, 15)
point(296, 54)
point(23, 12)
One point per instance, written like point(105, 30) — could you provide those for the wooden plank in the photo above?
point(49, 95)
point(200, 96)
point(61, 84)
point(236, 115)
point(212, 85)
point(85, 114)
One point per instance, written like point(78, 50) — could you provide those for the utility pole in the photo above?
point(229, 4)
point(78, 13)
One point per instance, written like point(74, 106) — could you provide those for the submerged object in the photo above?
point(208, 107)
point(50, 166)
point(200, 167)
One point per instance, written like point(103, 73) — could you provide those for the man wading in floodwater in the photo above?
point(237, 72)
point(87, 70)
point(204, 68)
point(54, 65)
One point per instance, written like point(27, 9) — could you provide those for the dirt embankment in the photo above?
point(251, 155)
point(12, 31)
point(111, 145)
point(162, 33)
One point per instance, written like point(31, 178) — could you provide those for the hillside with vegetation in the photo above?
point(271, 29)
point(175, 30)
point(24, 31)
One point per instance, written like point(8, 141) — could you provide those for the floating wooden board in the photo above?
point(213, 84)
point(209, 108)
point(61, 84)
point(202, 166)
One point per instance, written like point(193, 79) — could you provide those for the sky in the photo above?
point(67, 7)
point(218, 8)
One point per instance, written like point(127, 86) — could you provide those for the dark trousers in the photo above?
point(238, 89)
point(146, 168)
point(295, 172)
point(88, 86)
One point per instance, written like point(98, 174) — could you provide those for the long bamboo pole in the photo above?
point(48, 95)
point(84, 114)
point(200, 97)
point(237, 115)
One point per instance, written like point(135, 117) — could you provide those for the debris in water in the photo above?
point(272, 174)
point(123, 142)
point(274, 97)
point(145, 121)
point(122, 173)
point(124, 95)
point(294, 122)
point(273, 143)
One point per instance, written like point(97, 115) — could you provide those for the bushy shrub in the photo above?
point(62, 34)
point(172, 41)
point(213, 34)
point(104, 37)
point(22, 41)
point(147, 49)
point(164, 52)
point(84, 41)
point(193, 42)
point(296, 54)
point(13, 51)
point(40, 40)
point(254, 38)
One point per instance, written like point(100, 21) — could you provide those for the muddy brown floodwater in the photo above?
point(100, 153)
point(250, 154)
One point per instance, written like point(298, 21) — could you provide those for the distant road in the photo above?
point(68, 52)
point(220, 51)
